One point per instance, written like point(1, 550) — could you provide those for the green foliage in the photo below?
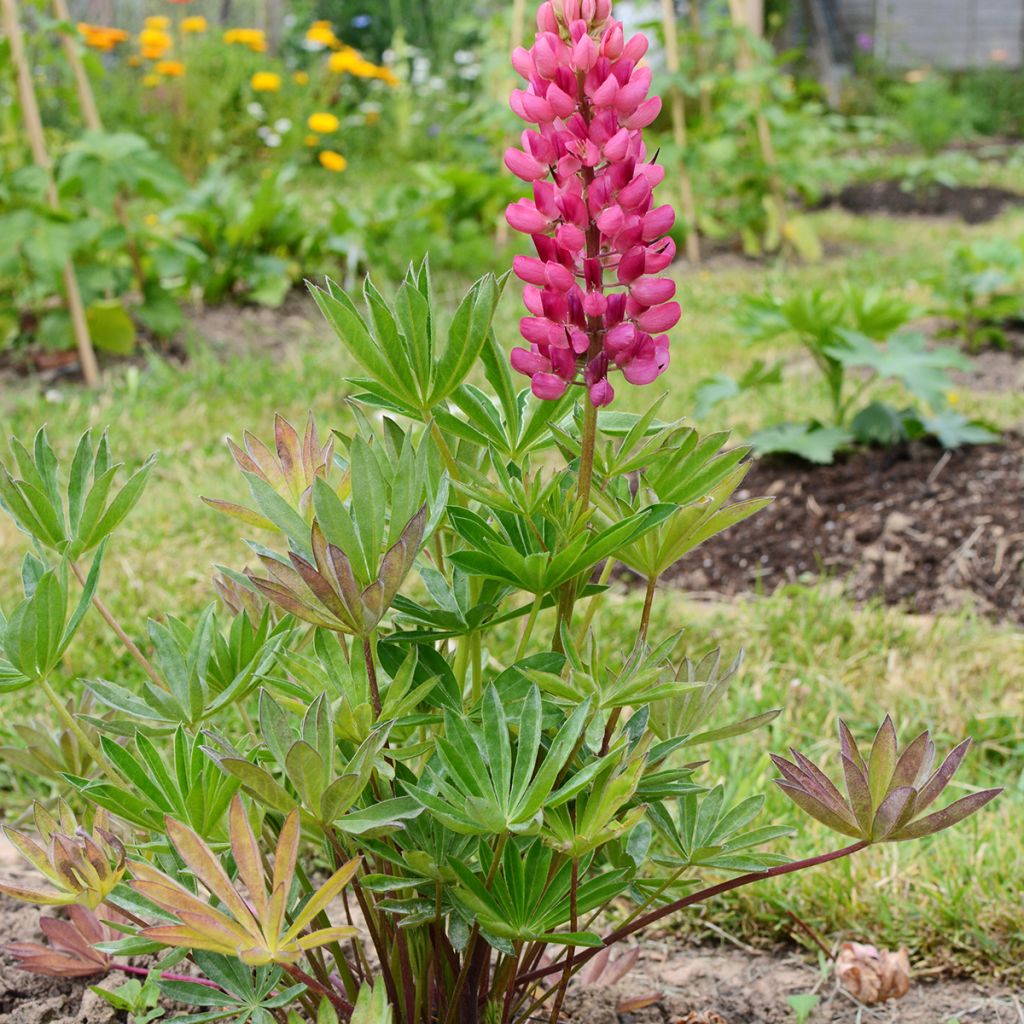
point(361, 733)
point(855, 340)
point(983, 289)
point(932, 113)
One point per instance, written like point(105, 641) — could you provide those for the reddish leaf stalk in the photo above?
point(687, 901)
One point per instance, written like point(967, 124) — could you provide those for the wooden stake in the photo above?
point(91, 117)
point(517, 36)
point(668, 13)
point(745, 61)
point(700, 52)
point(37, 143)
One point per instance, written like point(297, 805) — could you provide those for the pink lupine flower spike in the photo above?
point(595, 299)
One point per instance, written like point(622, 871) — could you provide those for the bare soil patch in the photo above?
point(972, 204)
point(918, 527)
point(730, 986)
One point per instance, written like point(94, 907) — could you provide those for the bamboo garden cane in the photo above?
point(41, 158)
point(678, 110)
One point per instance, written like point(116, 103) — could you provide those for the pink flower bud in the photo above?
point(595, 304)
point(547, 386)
point(610, 221)
point(660, 318)
point(547, 20)
point(588, 10)
point(636, 48)
point(533, 299)
point(631, 265)
point(636, 193)
point(571, 10)
point(523, 62)
point(525, 217)
point(571, 238)
point(620, 339)
point(657, 259)
point(646, 114)
point(606, 92)
point(617, 146)
point(604, 11)
point(631, 95)
point(584, 54)
point(529, 269)
point(612, 42)
point(528, 362)
point(559, 277)
point(651, 291)
point(640, 371)
point(561, 102)
point(657, 222)
point(601, 393)
point(536, 109)
point(579, 341)
point(524, 166)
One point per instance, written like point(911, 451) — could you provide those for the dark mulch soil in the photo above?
point(916, 526)
point(973, 204)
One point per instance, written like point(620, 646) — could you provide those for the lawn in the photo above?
point(954, 900)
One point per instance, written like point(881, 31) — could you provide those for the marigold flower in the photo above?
point(254, 38)
point(154, 43)
point(170, 68)
point(592, 214)
point(332, 161)
point(265, 81)
point(157, 21)
point(101, 37)
point(323, 123)
point(194, 25)
point(320, 33)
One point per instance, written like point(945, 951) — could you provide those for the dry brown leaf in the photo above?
point(632, 1004)
point(872, 975)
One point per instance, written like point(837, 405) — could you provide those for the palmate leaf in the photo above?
point(527, 901)
point(906, 357)
point(886, 794)
point(255, 929)
point(475, 785)
point(704, 833)
point(70, 520)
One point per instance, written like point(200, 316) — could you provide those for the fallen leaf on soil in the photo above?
point(632, 1004)
point(603, 970)
point(872, 975)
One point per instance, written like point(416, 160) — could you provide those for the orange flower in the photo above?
point(170, 68)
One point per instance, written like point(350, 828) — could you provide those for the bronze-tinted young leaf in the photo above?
point(69, 951)
point(251, 928)
point(885, 794)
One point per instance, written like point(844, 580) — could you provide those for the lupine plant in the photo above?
point(417, 777)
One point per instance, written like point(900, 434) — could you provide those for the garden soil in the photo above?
point(918, 527)
point(972, 204)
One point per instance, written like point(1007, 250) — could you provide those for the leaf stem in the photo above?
point(129, 644)
point(531, 621)
point(697, 897)
point(87, 744)
point(371, 675)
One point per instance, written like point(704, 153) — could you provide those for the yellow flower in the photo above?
point(320, 33)
point(152, 219)
point(193, 25)
point(344, 60)
point(301, 78)
point(312, 140)
point(154, 43)
point(158, 21)
point(916, 76)
point(952, 397)
point(332, 161)
point(265, 81)
point(254, 38)
point(151, 81)
point(388, 76)
point(170, 68)
point(372, 117)
point(323, 123)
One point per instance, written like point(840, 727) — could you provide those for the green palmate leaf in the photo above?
point(809, 441)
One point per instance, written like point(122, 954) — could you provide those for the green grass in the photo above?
point(954, 900)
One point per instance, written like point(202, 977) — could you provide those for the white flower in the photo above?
point(256, 110)
point(282, 125)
